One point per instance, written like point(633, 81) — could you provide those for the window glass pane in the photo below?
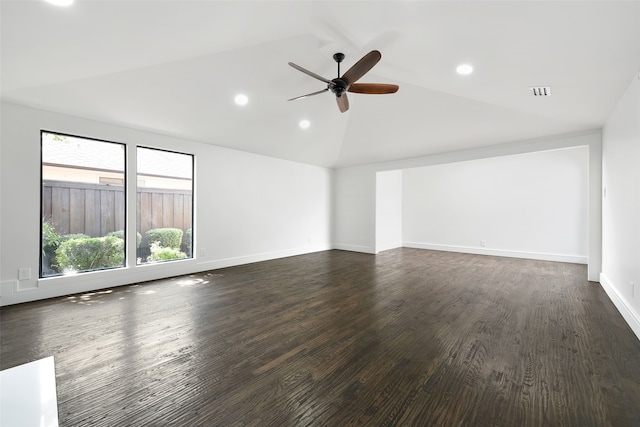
point(164, 205)
point(83, 205)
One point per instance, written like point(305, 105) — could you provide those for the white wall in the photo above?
point(532, 205)
point(621, 206)
point(247, 207)
point(355, 207)
point(388, 210)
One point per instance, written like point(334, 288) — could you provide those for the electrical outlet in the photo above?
point(203, 252)
point(24, 274)
point(483, 243)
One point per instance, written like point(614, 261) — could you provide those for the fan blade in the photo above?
point(343, 102)
point(310, 73)
point(309, 94)
point(373, 88)
point(361, 67)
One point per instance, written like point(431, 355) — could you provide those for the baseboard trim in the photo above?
point(265, 256)
point(354, 248)
point(576, 259)
point(630, 316)
point(388, 246)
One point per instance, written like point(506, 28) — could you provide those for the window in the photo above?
point(164, 205)
point(83, 204)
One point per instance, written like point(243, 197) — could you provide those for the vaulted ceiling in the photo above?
point(174, 67)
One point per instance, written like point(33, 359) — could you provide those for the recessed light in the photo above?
point(304, 124)
point(242, 99)
point(60, 2)
point(464, 69)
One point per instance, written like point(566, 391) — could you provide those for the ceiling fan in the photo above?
point(347, 83)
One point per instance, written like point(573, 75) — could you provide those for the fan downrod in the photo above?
point(339, 86)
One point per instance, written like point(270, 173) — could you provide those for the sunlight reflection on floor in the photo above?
point(90, 298)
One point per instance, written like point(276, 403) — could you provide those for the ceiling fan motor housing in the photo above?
point(338, 87)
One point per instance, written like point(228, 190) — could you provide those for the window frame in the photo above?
point(125, 173)
point(193, 180)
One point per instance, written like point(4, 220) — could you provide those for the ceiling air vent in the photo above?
point(540, 90)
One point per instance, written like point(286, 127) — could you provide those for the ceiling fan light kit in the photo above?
point(347, 82)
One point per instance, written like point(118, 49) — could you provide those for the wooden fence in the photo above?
point(97, 209)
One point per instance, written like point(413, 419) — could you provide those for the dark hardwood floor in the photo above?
point(409, 337)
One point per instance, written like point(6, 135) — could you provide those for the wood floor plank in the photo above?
point(406, 338)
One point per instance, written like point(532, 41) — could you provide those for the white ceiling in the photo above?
point(174, 67)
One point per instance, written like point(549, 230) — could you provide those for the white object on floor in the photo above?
point(28, 395)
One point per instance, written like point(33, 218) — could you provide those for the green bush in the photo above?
point(66, 237)
point(90, 253)
point(166, 237)
point(50, 242)
point(50, 239)
point(159, 253)
point(188, 239)
point(120, 235)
